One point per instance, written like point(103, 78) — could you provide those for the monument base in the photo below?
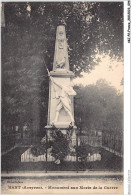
point(69, 134)
point(61, 126)
point(27, 156)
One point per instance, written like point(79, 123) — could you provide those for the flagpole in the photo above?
point(56, 95)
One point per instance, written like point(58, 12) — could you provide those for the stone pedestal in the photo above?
point(64, 78)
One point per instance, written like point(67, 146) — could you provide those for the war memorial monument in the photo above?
point(61, 100)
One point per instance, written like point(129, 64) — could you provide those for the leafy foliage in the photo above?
point(59, 146)
point(84, 150)
point(99, 107)
point(28, 40)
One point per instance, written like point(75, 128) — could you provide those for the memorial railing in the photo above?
point(78, 153)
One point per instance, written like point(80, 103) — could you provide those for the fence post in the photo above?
point(14, 139)
point(46, 150)
point(115, 152)
point(76, 151)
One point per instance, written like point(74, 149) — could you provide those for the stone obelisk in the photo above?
point(61, 92)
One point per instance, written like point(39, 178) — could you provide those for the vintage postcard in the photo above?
point(64, 68)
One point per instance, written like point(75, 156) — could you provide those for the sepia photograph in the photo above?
point(62, 97)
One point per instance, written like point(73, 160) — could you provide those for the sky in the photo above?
point(110, 70)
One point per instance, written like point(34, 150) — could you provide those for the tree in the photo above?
point(99, 107)
point(94, 23)
point(28, 39)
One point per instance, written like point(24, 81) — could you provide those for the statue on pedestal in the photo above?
point(64, 99)
point(61, 105)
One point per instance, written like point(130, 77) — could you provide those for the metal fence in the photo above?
point(113, 142)
point(63, 151)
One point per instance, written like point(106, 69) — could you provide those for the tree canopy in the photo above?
point(90, 27)
point(28, 39)
point(99, 107)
